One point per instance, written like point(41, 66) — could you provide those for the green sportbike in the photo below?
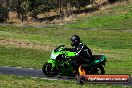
point(60, 63)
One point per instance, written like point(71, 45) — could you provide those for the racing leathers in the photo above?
point(83, 55)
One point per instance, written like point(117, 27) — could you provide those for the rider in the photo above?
point(83, 53)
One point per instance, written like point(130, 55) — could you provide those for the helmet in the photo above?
point(75, 39)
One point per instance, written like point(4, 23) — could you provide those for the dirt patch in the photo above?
point(100, 51)
point(26, 44)
point(126, 30)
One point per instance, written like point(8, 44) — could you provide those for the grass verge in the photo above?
point(119, 17)
point(22, 82)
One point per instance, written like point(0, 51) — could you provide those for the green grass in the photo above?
point(27, 82)
point(20, 57)
point(32, 34)
point(98, 38)
point(116, 45)
point(119, 17)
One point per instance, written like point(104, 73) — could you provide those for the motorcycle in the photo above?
point(60, 63)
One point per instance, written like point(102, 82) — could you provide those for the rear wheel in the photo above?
point(49, 71)
point(100, 69)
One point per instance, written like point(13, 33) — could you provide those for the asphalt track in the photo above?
point(31, 72)
point(36, 73)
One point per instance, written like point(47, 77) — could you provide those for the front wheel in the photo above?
point(81, 80)
point(50, 71)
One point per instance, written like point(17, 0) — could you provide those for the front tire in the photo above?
point(49, 71)
point(81, 80)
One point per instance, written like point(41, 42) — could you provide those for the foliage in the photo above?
point(26, 8)
point(32, 8)
point(3, 14)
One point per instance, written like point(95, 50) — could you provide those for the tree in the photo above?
point(3, 11)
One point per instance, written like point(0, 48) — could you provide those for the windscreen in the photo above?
point(58, 48)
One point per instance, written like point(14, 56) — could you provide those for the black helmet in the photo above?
point(75, 39)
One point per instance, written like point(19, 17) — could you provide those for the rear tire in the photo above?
point(49, 71)
point(100, 69)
